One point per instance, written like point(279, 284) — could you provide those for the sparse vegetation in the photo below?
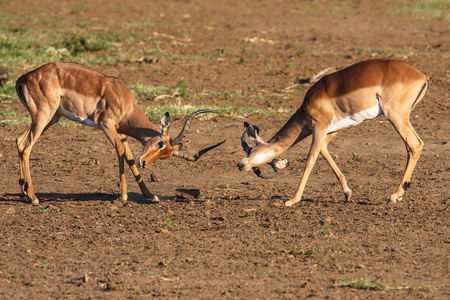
point(51, 210)
point(155, 113)
point(238, 238)
point(342, 249)
point(353, 164)
point(13, 117)
point(8, 92)
point(169, 225)
point(269, 65)
point(361, 51)
point(371, 228)
point(438, 9)
point(362, 284)
point(302, 250)
point(42, 264)
point(76, 44)
point(325, 231)
point(301, 51)
point(286, 68)
point(143, 92)
point(100, 207)
point(11, 276)
point(116, 286)
point(430, 288)
point(164, 263)
point(147, 272)
point(25, 47)
point(183, 89)
point(368, 228)
point(268, 273)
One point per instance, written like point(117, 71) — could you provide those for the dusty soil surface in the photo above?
point(237, 240)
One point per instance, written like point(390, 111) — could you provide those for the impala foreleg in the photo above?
point(132, 163)
point(115, 140)
point(123, 184)
point(340, 177)
point(317, 143)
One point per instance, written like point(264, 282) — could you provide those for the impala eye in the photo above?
point(161, 145)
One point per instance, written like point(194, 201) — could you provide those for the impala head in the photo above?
point(162, 146)
point(263, 153)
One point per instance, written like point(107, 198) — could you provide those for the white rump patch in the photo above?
point(71, 116)
point(355, 119)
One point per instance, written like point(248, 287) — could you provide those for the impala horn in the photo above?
point(184, 131)
point(255, 131)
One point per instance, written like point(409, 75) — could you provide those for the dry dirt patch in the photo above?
point(237, 239)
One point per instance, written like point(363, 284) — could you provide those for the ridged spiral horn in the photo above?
point(187, 124)
point(182, 134)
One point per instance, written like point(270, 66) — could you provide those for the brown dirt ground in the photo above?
point(237, 240)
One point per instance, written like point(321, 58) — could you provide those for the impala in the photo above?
point(84, 95)
point(339, 100)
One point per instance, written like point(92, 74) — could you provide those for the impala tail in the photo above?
point(21, 94)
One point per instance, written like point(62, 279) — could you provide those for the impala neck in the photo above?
point(292, 132)
point(136, 125)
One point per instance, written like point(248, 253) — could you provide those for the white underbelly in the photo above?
point(71, 116)
point(355, 119)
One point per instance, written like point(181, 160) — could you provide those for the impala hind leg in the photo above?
point(398, 113)
point(24, 145)
point(414, 146)
point(317, 142)
point(336, 170)
point(132, 163)
point(24, 184)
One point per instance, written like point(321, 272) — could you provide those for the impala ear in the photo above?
point(165, 124)
point(253, 133)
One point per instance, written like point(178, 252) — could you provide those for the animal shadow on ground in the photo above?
point(59, 197)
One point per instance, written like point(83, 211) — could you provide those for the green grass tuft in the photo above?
point(439, 9)
point(302, 250)
point(143, 92)
point(155, 113)
point(362, 284)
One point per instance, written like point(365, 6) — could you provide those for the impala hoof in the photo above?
point(155, 198)
point(123, 199)
point(289, 203)
point(394, 199)
point(33, 200)
point(280, 163)
point(243, 165)
point(348, 195)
